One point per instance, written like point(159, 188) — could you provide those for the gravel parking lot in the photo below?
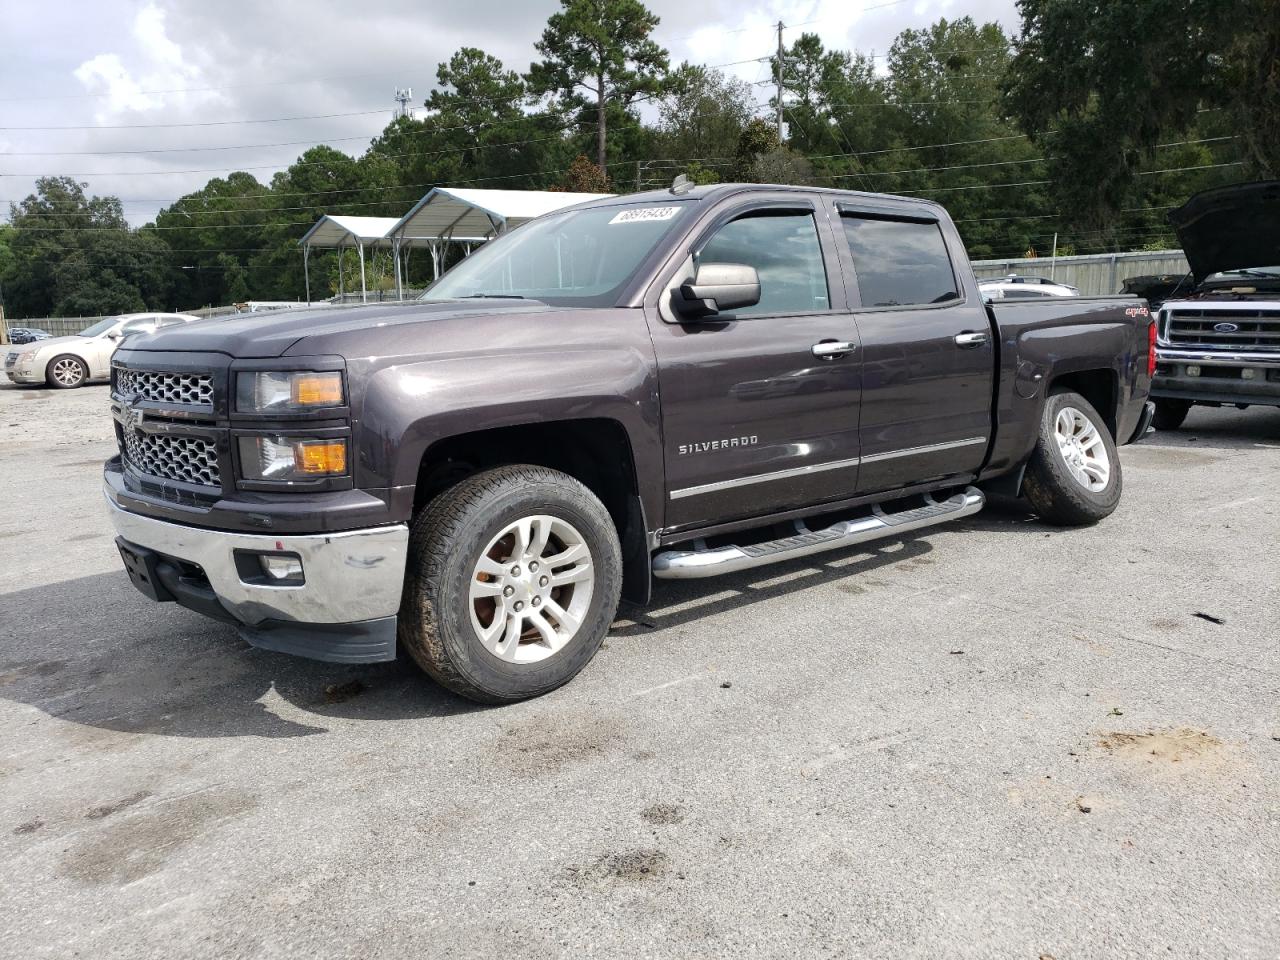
point(991, 740)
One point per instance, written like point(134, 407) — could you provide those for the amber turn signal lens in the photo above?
point(320, 458)
point(317, 390)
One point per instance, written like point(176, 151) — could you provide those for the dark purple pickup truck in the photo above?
point(672, 384)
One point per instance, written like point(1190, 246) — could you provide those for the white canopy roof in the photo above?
point(335, 231)
point(458, 213)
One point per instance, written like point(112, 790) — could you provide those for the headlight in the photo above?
point(291, 458)
point(287, 392)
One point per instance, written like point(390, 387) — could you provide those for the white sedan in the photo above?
point(1015, 286)
point(66, 362)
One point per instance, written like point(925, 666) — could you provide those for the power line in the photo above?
point(225, 86)
point(300, 163)
point(239, 146)
point(204, 123)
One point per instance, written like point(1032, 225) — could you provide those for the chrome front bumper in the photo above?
point(352, 581)
point(1225, 377)
point(25, 375)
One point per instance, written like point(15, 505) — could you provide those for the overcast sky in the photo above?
point(109, 67)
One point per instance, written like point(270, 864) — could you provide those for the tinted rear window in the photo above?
point(899, 262)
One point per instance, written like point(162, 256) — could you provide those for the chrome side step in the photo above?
point(713, 561)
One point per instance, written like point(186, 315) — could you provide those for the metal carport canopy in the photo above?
point(336, 231)
point(448, 212)
point(341, 232)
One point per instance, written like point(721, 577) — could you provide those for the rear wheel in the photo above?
point(65, 372)
point(513, 579)
point(1170, 414)
point(1073, 478)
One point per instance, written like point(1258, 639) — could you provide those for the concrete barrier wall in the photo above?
point(1097, 274)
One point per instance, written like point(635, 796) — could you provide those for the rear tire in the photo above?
point(1073, 478)
point(1170, 414)
point(513, 580)
point(66, 372)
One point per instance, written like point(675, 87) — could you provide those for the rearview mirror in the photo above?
point(718, 288)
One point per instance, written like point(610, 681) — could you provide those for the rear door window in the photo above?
point(900, 262)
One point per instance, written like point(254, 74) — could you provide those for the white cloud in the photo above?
point(116, 62)
point(159, 65)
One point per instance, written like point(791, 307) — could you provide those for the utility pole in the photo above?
point(781, 63)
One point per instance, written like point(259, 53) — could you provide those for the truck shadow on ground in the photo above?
point(677, 602)
point(91, 652)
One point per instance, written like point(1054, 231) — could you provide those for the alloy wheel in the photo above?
point(531, 588)
point(1082, 449)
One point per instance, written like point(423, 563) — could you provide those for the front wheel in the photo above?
point(1073, 478)
point(1170, 414)
point(66, 371)
point(514, 576)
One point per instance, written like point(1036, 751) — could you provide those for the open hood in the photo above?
point(1230, 228)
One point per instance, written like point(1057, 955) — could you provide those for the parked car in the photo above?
point(65, 362)
point(1015, 287)
point(18, 335)
point(1220, 343)
point(577, 408)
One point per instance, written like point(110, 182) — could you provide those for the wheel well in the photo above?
point(596, 452)
point(1099, 387)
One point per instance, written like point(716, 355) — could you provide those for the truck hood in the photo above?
point(1230, 228)
point(269, 335)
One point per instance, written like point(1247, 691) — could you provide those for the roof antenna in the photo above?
point(681, 185)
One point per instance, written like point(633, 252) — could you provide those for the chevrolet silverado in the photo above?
point(672, 384)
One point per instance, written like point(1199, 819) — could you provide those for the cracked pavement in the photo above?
point(992, 739)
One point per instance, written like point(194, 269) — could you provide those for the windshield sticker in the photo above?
point(645, 214)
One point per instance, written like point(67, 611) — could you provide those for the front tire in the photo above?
point(66, 372)
point(513, 579)
point(1170, 414)
point(1073, 478)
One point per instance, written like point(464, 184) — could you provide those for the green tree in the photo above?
point(75, 254)
point(600, 47)
point(6, 258)
point(701, 115)
point(214, 233)
point(832, 103)
point(1101, 85)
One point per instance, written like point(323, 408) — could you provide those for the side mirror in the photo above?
point(718, 288)
point(115, 335)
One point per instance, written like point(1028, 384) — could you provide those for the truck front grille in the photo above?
point(192, 389)
point(1243, 329)
point(186, 459)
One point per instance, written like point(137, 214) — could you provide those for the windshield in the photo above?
point(577, 258)
point(1253, 273)
point(102, 326)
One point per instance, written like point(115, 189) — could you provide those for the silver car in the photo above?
point(66, 362)
point(1016, 286)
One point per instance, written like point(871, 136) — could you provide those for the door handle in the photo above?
point(831, 349)
point(970, 339)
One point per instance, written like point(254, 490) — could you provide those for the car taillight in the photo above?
point(1151, 348)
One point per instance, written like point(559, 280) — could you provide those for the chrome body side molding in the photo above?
point(820, 467)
